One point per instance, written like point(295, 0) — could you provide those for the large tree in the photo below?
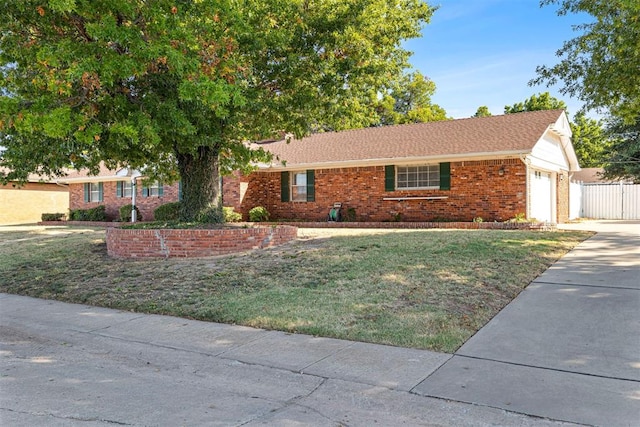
point(542, 101)
point(623, 152)
point(590, 141)
point(177, 87)
point(409, 101)
point(601, 65)
point(482, 111)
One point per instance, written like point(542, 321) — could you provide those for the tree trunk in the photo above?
point(200, 178)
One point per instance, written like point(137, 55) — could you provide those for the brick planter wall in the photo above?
point(191, 243)
point(540, 226)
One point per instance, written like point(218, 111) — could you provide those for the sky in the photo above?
point(484, 52)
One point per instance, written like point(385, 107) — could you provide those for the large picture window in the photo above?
point(425, 176)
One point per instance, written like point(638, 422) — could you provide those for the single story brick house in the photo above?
point(494, 168)
point(114, 189)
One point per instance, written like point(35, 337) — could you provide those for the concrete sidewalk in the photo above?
point(72, 365)
point(566, 350)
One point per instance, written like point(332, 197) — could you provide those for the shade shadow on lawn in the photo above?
point(429, 289)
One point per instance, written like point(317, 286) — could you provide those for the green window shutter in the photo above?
point(160, 189)
point(311, 186)
point(180, 190)
point(119, 186)
point(445, 176)
point(284, 186)
point(145, 191)
point(87, 192)
point(389, 178)
point(100, 192)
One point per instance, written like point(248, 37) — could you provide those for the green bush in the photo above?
point(211, 215)
point(52, 216)
point(230, 215)
point(97, 214)
point(520, 217)
point(167, 212)
point(350, 215)
point(125, 213)
point(258, 214)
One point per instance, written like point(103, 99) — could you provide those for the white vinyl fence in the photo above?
point(605, 201)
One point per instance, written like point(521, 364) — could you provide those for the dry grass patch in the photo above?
point(428, 289)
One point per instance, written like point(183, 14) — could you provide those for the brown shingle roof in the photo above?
point(511, 133)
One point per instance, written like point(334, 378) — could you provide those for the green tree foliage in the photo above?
point(177, 87)
point(590, 141)
point(623, 155)
point(600, 66)
point(542, 101)
point(482, 111)
point(409, 101)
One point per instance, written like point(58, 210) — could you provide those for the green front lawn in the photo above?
point(430, 289)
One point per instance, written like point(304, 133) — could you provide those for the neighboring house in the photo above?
point(25, 204)
point(114, 189)
point(589, 176)
point(493, 167)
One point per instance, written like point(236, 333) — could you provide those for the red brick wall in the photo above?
point(139, 243)
point(146, 205)
point(477, 190)
point(232, 189)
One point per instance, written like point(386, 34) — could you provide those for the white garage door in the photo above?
point(541, 194)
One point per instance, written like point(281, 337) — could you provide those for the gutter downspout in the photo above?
point(527, 163)
point(134, 215)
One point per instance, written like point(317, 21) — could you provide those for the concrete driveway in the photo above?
point(568, 347)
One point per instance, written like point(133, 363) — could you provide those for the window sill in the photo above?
point(416, 198)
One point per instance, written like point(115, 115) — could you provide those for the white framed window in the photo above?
point(412, 177)
point(93, 192)
point(153, 190)
point(299, 186)
point(123, 189)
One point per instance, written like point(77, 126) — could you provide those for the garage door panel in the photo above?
point(541, 203)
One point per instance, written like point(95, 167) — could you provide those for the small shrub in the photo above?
point(258, 214)
point(350, 215)
point(125, 213)
point(230, 215)
point(167, 212)
point(396, 216)
point(52, 216)
point(211, 215)
point(520, 217)
point(478, 219)
point(97, 214)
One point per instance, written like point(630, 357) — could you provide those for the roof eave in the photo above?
point(395, 161)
